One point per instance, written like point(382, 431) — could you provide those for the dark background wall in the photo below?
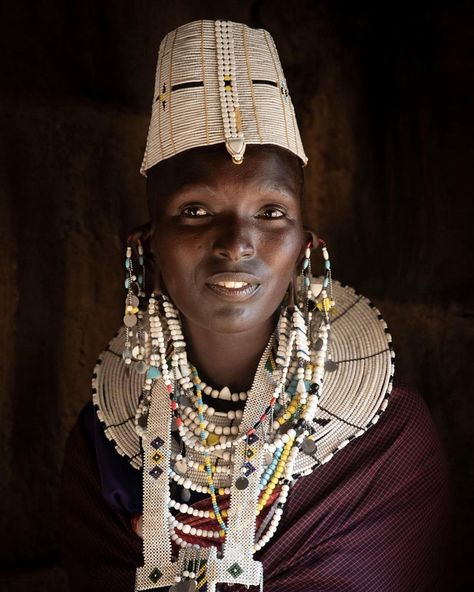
point(380, 90)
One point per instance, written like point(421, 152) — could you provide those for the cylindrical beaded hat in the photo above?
point(219, 81)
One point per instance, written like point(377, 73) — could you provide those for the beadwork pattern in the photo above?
point(219, 82)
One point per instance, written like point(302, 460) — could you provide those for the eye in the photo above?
point(194, 211)
point(271, 213)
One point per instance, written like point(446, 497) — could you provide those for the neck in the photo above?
point(227, 359)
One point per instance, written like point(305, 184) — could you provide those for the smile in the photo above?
point(233, 285)
point(234, 289)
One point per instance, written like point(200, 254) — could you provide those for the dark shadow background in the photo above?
point(380, 91)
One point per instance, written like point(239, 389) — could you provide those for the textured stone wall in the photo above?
point(380, 93)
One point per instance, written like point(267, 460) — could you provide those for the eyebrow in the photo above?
point(278, 186)
point(191, 187)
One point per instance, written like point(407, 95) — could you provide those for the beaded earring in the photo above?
point(135, 286)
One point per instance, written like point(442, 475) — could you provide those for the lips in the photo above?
point(236, 285)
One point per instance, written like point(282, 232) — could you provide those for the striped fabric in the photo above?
point(375, 518)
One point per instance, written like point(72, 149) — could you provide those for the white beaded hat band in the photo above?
point(219, 82)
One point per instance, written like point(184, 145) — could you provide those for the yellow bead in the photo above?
point(212, 439)
point(221, 491)
point(212, 514)
point(222, 533)
point(201, 467)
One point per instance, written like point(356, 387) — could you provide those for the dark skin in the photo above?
point(212, 217)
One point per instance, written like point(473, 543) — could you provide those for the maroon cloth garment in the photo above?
point(374, 518)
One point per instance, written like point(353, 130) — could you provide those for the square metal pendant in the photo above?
point(250, 453)
point(157, 456)
point(235, 570)
point(157, 442)
point(155, 575)
point(156, 472)
point(252, 439)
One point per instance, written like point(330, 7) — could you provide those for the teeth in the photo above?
point(232, 284)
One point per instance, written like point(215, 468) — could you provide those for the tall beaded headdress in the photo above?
point(219, 82)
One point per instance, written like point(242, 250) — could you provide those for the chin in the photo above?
point(230, 320)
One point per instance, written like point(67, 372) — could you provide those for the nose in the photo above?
point(234, 240)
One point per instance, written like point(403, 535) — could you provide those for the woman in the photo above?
point(229, 441)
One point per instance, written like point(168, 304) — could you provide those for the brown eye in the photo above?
point(194, 212)
point(271, 213)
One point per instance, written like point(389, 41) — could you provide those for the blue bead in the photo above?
point(140, 279)
point(307, 282)
point(140, 259)
point(127, 283)
point(327, 264)
point(127, 263)
point(153, 372)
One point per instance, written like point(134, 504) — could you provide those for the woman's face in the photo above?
point(227, 238)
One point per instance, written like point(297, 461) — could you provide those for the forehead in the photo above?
point(270, 168)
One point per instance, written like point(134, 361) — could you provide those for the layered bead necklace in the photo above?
point(243, 453)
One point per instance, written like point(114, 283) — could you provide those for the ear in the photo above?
point(144, 234)
point(310, 239)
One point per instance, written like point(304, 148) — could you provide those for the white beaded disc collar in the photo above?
point(355, 392)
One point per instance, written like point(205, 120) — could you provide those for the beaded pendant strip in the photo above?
point(275, 426)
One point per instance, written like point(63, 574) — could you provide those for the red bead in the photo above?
point(174, 405)
point(179, 421)
point(169, 388)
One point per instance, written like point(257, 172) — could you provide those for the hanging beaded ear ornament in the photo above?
point(135, 336)
point(243, 461)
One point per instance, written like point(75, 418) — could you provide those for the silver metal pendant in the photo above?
point(130, 320)
point(242, 483)
point(185, 401)
point(141, 367)
point(185, 495)
point(180, 467)
point(330, 366)
point(309, 446)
